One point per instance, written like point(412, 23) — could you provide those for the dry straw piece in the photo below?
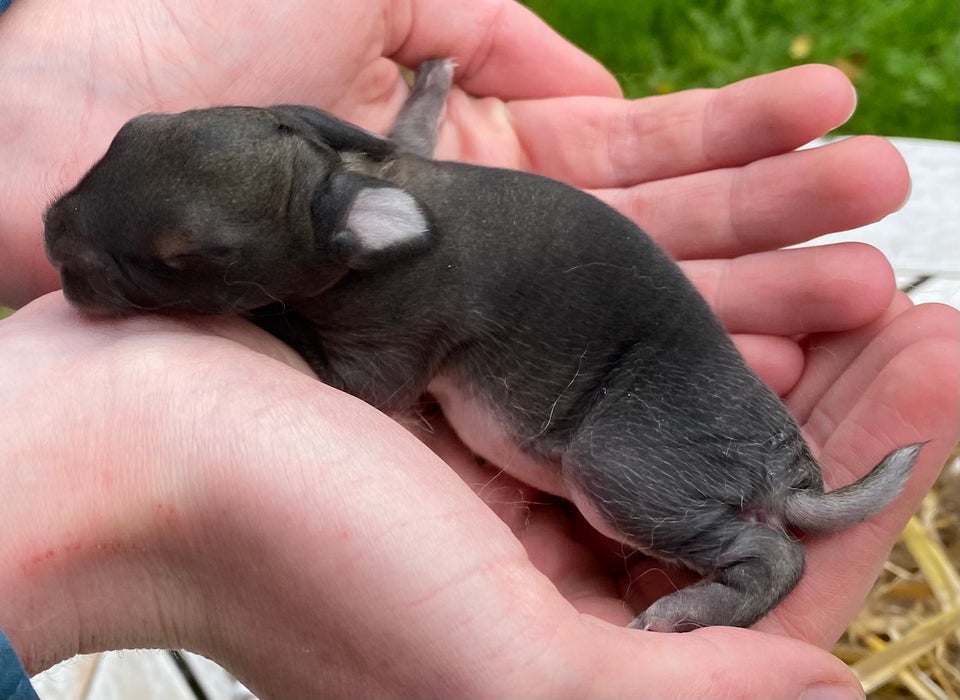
point(906, 641)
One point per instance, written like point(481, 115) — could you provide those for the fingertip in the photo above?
point(840, 186)
point(814, 289)
point(832, 89)
point(768, 114)
point(892, 174)
point(856, 285)
point(870, 176)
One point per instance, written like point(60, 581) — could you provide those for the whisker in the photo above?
point(234, 283)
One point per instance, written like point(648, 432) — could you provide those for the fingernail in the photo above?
point(832, 691)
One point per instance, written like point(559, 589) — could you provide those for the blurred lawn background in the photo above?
point(902, 55)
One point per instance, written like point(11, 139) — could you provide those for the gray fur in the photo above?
point(815, 512)
point(418, 122)
point(549, 310)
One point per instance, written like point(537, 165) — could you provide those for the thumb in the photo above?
point(715, 662)
point(502, 49)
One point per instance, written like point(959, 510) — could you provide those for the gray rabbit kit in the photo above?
point(560, 342)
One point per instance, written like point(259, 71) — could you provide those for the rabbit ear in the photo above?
point(319, 126)
point(383, 224)
point(365, 223)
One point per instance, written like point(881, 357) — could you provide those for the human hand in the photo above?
point(295, 535)
point(63, 111)
point(69, 78)
point(186, 483)
point(823, 326)
point(711, 175)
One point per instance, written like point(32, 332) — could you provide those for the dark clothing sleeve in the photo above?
point(14, 683)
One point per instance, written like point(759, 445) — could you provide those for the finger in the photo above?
point(841, 395)
point(829, 357)
point(830, 385)
point(502, 49)
point(716, 662)
point(789, 292)
point(616, 143)
point(901, 406)
point(772, 202)
point(777, 361)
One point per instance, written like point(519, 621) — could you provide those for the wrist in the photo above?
point(87, 562)
point(104, 483)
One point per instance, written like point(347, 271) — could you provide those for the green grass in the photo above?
point(902, 55)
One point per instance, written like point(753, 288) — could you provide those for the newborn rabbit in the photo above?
point(560, 342)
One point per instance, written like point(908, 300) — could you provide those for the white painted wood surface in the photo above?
point(921, 240)
point(147, 674)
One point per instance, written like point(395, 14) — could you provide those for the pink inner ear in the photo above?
point(174, 244)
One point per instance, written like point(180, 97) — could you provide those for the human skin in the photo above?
point(185, 483)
